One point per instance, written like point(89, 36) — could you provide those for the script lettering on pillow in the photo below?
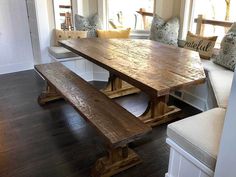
point(203, 45)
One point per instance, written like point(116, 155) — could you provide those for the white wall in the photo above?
point(15, 44)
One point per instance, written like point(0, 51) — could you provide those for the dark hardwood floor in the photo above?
point(54, 141)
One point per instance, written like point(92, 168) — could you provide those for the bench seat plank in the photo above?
point(118, 126)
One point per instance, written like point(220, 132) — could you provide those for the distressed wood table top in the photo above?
point(148, 65)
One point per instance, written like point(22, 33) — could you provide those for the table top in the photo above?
point(151, 66)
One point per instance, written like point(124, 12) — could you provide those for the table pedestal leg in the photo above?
point(48, 94)
point(117, 160)
point(158, 111)
point(117, 88)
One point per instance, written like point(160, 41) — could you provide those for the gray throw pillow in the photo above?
point(90, 24)
point(227, 54)
point(233, 28)
point(165, 32)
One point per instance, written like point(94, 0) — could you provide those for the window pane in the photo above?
point(123, 13)
point(61, 7)
point(214, 9)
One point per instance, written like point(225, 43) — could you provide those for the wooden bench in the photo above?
point(117, 126)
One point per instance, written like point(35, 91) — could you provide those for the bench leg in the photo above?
point(118, 88)
point(117, 160)
point(48, 94)
point(158, 111)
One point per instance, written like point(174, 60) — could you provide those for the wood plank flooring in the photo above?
point(54, 141)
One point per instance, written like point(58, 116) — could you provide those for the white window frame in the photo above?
point(186, 17)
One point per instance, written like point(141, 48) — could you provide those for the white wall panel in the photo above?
point(15, 44)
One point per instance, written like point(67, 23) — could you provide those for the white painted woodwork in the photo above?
point(15, 44)
point(33, 25)
point(85, 69)
point(168, 8)
point(46, 25)
point(185, 17)
point(102, 12)
point(100, 74)
point(183, 164)
point(196, 96)
point(225, 166)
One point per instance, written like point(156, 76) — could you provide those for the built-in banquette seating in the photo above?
point(213, 93)
point(194, 141)
point(60, 53)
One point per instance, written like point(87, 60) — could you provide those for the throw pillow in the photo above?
point(203, 45)
point(232, 28)
point(64, 35)
point(165, 32)
point(121, 33)
point(90, 24)
point(227, 54)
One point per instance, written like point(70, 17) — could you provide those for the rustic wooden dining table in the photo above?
point(149, 66)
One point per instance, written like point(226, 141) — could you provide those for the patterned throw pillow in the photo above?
point(233, 28)
point(203, 45)
point(90, 24)
point(227, 55)
point(165, 32)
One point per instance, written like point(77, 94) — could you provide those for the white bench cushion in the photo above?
point(61, 52)
point(200, 135)
point(209, 66)
point(221, 81)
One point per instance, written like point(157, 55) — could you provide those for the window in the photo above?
point(63, 14)
point(221, 10)
point(136, 15)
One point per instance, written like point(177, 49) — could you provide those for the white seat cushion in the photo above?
point(61, 52)
point(209, 66)
point(221, 82)
point(200, 135)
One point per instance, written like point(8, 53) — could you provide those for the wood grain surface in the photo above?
point(55, 141)
point(117, 125)
point(148, 65)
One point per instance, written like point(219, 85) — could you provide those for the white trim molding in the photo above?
point(102, 12)
point(16, 67)
point(183, 164)
point(186, 13)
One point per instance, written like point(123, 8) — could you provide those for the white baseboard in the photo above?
point(16, 67)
